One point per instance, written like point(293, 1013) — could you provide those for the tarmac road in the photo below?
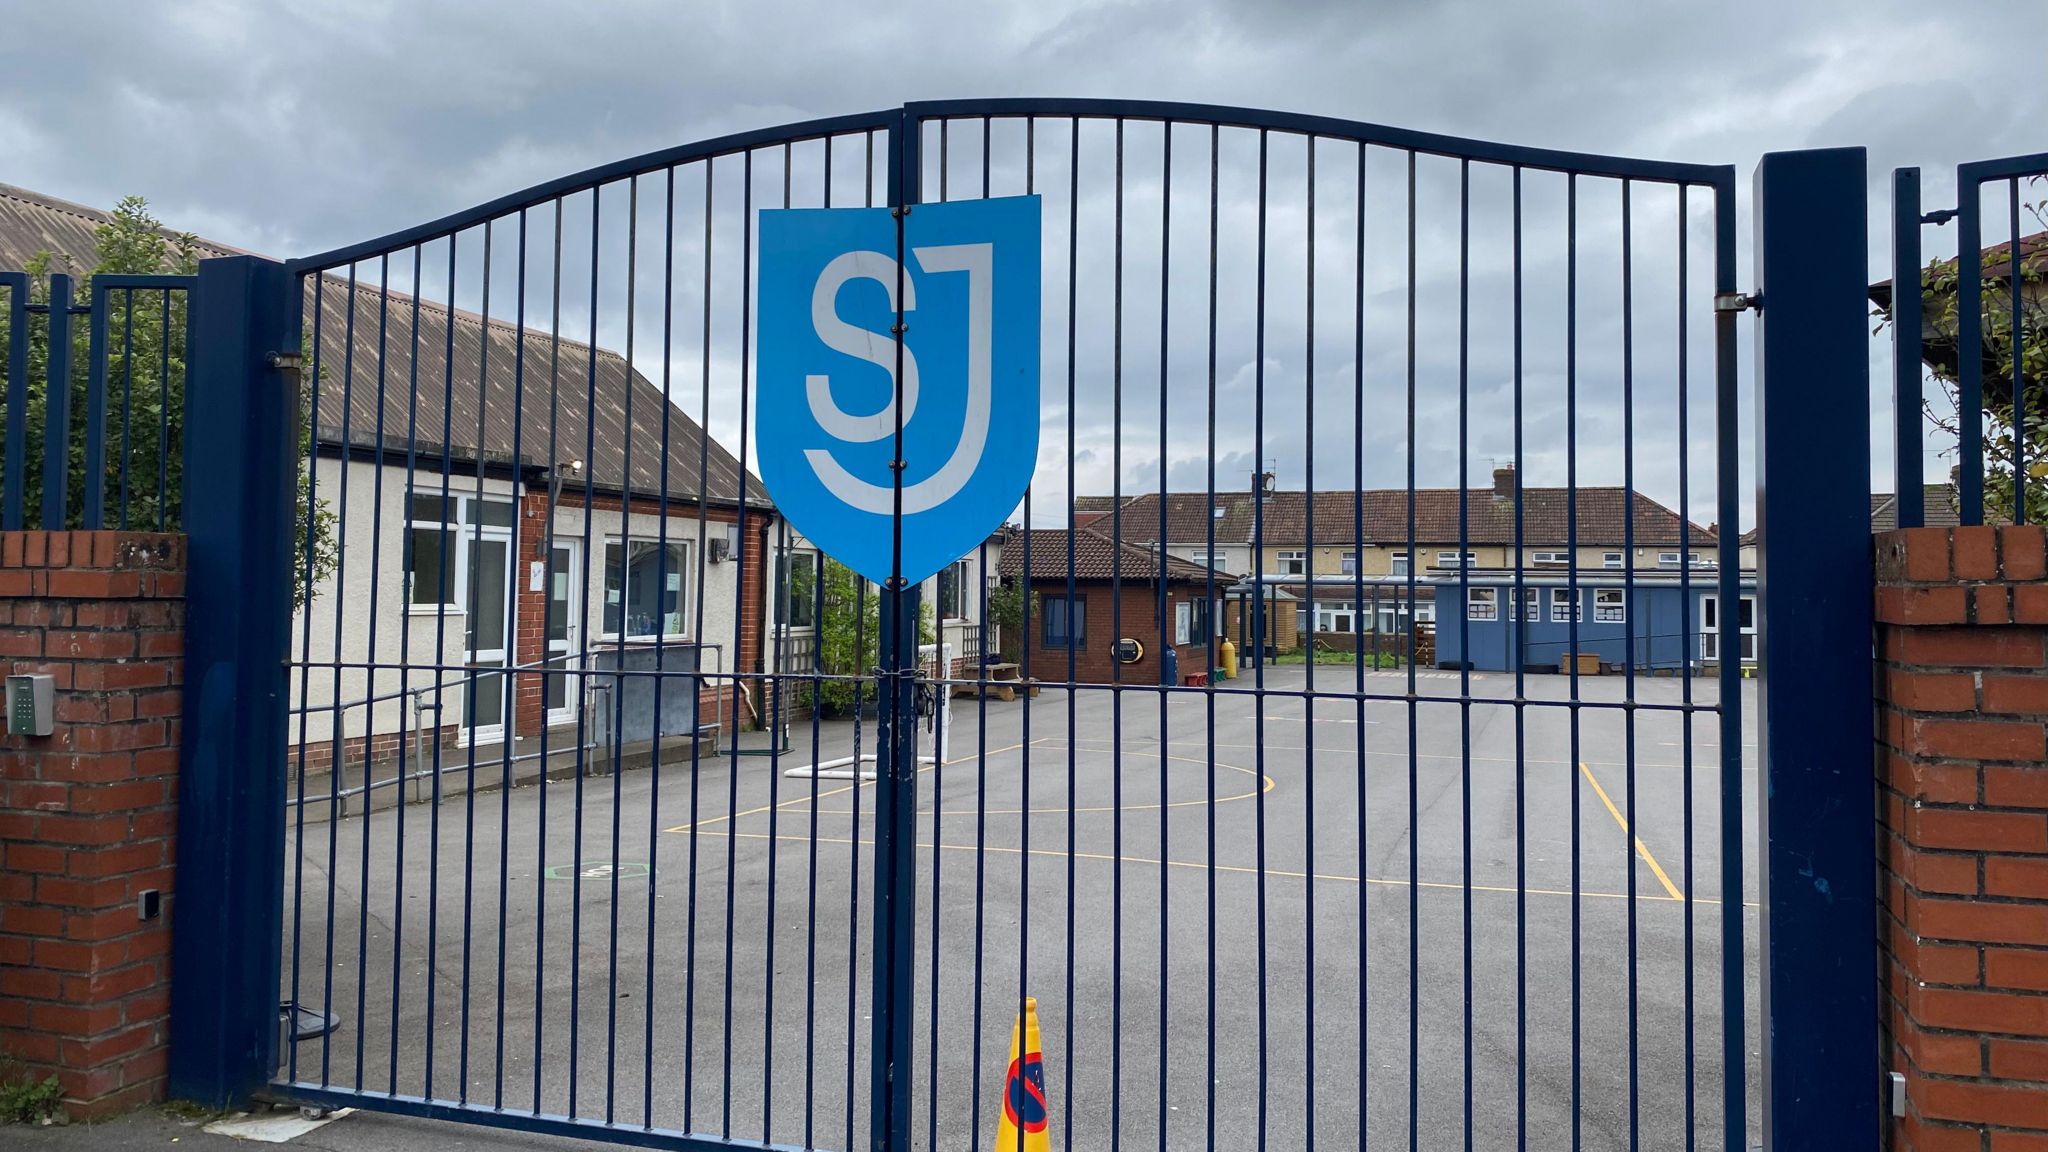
point(1325, 998)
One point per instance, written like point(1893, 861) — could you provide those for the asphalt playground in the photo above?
point(1241, 915)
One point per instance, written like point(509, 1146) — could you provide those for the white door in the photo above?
point(564, 571)
point(486, 691)
point(1710, 625)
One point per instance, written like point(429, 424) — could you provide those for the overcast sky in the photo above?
point(292, 127)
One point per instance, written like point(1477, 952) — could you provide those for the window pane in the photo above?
point(614, 587)
point(949, 591)
point(487, 562)
point(1748, 620)
point(497, 513)
point(654, 589)
point(426, 508)
point(803, 590)
point(430, 567)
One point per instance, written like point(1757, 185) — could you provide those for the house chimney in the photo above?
point(1504, 481)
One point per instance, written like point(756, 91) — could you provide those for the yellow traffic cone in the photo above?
point(1023, 1123)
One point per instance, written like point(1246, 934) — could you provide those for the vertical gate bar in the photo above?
point(1165, 694)
point(618, 700)
point(1685, 634)
point(1259, 621)
point(164, 406)
point(412, 411)
point(1357, 500)
point(1969, 348)
point(92, 515)
point(931, 1117)
point(896, 756)
point(1465, 596)
point(1821, 1055)
point(2015, 340)
point(668, 319)
point(584, 734)
point(440, 719)
point(1024, 652)
point(1521, 704)
point(1907, 457)
point(734, 688)
point(1728, 686)
point(224, 1022)
point(540, 831)
point(696, 755)
point(12, 479)
point(1571, 575)
point(311, 415)
point(1628, 668)
point(334, 799)
point(370, 671)
point(769, 712)
point(860, 585)
point(1116, 631)
point(945, 690)
point(1414, 769)
point(128, 394)
point(811, 862)
point(505, 751)
point(1209, 709)
point(1073, 693)
point(57, 408)
point(1308, 706)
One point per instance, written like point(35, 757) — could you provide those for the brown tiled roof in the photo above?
point(1284, 521)
point(1096, 558)
point(556, 382)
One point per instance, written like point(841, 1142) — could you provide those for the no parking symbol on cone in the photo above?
point(1022, 1127)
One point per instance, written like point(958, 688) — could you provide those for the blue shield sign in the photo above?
point(826, 432)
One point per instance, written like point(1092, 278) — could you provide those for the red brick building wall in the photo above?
point(87, 815)
point(1094, 663)
point(1962, 643)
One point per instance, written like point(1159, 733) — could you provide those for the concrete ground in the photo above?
point(1221, 932)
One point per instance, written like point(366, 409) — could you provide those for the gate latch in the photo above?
point(287, 361)
point(1739, 302)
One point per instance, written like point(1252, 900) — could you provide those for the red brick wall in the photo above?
point(87, 815)
point(1962, 634)
point(1093, 662)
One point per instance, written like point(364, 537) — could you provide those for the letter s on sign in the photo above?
point(876, 348)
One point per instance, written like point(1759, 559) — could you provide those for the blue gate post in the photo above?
point(1817, 800)
point(895, 943)
point(238, 499)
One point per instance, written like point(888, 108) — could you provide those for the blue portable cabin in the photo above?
point(1663, 619)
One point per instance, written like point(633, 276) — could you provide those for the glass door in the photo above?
point(486, 690)
point(561, 693)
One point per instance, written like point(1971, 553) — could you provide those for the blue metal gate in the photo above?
point(552, 658)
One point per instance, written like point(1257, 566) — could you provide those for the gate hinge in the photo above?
point(1940, 216)
point(287, 361)
point(1739, 302)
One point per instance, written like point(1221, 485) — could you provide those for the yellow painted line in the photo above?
point(1238, 869)
point(1642, 849)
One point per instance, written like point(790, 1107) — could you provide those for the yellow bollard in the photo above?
point(1227, 652)
point(1022, 1123)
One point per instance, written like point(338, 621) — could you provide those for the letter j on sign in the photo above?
point(829, 393)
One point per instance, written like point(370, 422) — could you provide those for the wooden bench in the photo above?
point(1004, 681)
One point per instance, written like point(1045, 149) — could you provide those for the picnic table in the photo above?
point(1001, 679)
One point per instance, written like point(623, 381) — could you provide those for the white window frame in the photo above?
point(625, 589)
point(1397, 564)
point(1562, 596)
point(1615, 608)
point(1482, 604)
point(1611, 559)
point(1710, 637)
point(1550, 559)
point(1347, 563)
point(1471, 559)
point(1670, 559)
point(1283, 560)
point(1530, 606)
point(1329, 612)
point(959, 567)
point(789, 592)
point(1424, 613)
point(461, 532)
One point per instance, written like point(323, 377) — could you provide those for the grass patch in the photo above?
point(1324, 656)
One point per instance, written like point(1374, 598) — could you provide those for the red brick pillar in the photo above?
point(1962, 619)
point(87, 815)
